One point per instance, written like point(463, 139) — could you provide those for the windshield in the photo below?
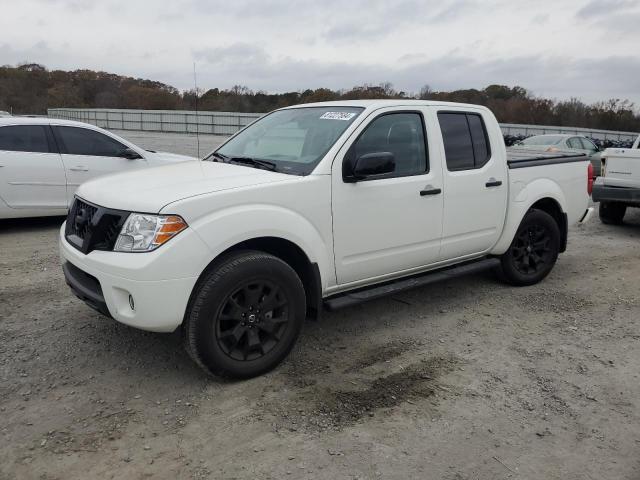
point(294, 140)
point(542, 140)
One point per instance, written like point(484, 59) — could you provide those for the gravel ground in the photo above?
point(466, 379)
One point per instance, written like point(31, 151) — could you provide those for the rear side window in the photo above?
point(575, 143)
point(588, 145)
point(24, 138)
point(466, 144)
point(82, 141)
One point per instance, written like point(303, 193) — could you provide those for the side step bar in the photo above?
point(376, 291)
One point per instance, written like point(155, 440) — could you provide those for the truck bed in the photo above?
point(524, 157)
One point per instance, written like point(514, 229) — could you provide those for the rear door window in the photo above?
point(588, 145)
point(574, 142)
point(83, 141)
point(24, 138)
point(466, 144)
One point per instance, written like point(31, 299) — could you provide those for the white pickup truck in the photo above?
point(619, 184)
point(312, 206)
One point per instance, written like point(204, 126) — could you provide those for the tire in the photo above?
point(244, 315)
point(612, 213)
point(533, 251)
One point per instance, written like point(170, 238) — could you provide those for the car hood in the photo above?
point(148, 190)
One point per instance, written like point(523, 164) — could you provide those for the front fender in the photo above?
point(522, 198)
point(228, 227)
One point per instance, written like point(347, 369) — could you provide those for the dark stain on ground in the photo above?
point(381, 353)
point(324, 407)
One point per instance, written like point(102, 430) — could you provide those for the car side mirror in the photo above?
point(130, 153)
point(369, 165)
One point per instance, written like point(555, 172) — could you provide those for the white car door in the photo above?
point(390, 223)
point(475, 184)
point(31, 170)
point(87, 154)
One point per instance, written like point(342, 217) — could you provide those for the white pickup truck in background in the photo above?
point(312, 206)
point(619, 185)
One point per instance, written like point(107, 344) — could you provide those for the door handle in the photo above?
point(493, 183)
point(429, 190)
point(79, 168)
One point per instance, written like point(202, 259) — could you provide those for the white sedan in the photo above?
point(43, 161)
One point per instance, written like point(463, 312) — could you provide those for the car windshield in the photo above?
point(293, 140)
point(543, 140)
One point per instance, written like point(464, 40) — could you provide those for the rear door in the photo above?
point(31, 171)
point(87, 154)
point(475, 183)
point(391, 223)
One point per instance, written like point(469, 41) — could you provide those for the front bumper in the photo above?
point(149, 291)
point(604, 193)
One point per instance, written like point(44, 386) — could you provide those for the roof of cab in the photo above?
point(375, 104)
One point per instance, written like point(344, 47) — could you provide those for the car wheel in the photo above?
point(533, 251)
point(245, 315)
point(612, 213)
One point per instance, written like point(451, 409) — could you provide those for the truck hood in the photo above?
point(148, 190)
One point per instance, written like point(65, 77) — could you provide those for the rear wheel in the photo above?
point(612, 213)
point(245, 315)
point(534, 250)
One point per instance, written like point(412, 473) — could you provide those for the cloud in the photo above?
point(279, 45)
point(601, 8)
point(559, 76)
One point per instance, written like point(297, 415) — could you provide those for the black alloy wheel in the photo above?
point(245, 314)
point(533, 251)
point(252, 320)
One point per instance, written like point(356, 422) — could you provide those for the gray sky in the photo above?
point(584, 48)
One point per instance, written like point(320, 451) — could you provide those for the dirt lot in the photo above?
point(468, 379)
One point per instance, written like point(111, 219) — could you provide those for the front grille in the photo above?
point(92, 227)
point(81, 207)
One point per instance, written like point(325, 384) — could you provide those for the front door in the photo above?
point(389, 223)
point(31, 171)
point(87, 154)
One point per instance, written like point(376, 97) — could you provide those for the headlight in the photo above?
point(143, 233)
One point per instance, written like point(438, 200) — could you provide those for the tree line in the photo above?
point(32, 88)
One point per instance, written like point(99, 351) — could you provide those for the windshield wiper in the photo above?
point(254, 162)
point(221, 157)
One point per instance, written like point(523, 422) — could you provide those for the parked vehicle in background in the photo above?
point(564, 143)
point(43, 161)
point(619, 186)
point(4, 114)
point(320, 204)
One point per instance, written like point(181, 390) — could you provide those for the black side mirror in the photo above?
point(369, 165)
point(130, 154)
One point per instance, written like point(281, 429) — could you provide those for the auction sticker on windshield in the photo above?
point(338, 116)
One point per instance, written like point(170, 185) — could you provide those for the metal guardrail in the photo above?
point(174, 121)
point(529, 130)
point(228, 123)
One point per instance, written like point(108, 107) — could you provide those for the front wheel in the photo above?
point(534, 250)
point(245, 315)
